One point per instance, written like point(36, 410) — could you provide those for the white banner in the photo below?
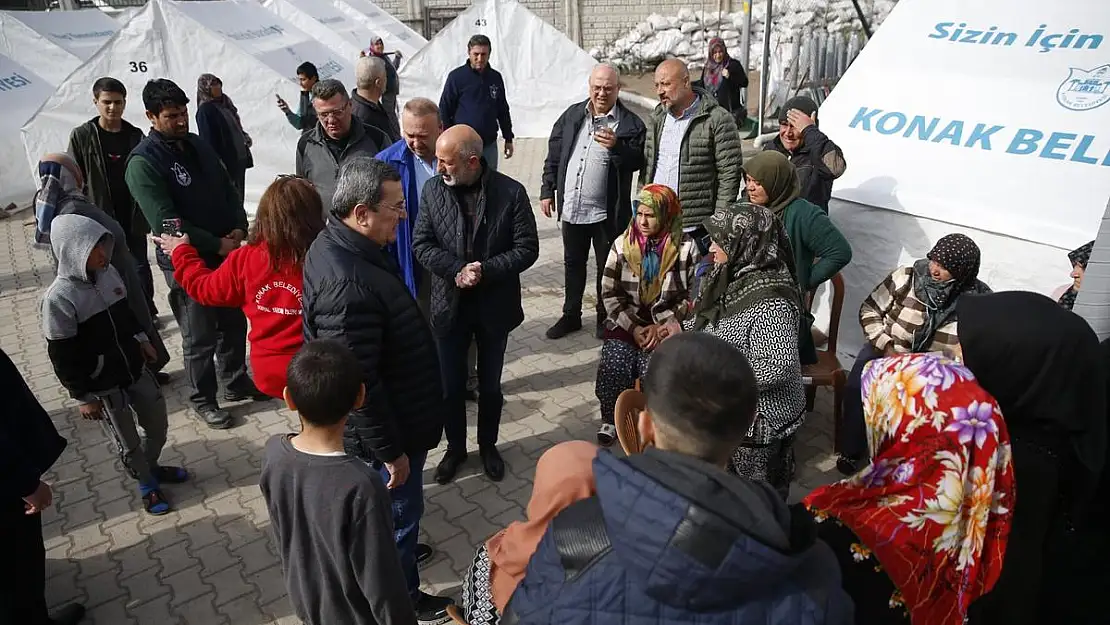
point(21, 93)
point(396, 36)
point(991, 115)
point(544, 71)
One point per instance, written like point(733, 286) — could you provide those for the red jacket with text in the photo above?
point(270, 299)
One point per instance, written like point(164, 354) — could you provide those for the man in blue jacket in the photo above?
point(29, 445)
point(671, 537)
point(414, 157)
point(474, 95)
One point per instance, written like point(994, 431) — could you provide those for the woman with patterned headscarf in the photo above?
point(912, 311)
point(726, 80)
point(1079, 258)
point(645, 284)
point(748, 295)
point(922, 532)
point(218, 124)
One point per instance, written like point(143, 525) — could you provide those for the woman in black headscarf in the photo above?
point(1079, 257)
point(219, 125)
point(1045, 367)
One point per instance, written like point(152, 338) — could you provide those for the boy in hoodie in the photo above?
point(98, 351)
point(671, 537)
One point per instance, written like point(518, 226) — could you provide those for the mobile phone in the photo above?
point(172, 226)
point(598, 124)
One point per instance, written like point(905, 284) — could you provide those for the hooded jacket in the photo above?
point(91, 334)
point(688, 543)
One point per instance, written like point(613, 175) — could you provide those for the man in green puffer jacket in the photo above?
point(693, 147)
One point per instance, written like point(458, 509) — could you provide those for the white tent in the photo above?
point(54, 43)
point(21, 93)
point(324, 22)
point(394, 33)
point(985, 118)
point(544, 71)
point(252, 50)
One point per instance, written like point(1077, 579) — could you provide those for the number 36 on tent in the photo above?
point(137, 67)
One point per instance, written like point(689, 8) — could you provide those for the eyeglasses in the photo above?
point(333, 114)
point(294, 177)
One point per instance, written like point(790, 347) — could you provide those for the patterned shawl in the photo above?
point(711, 75)
point(934, 507)
point(57, 181)
point(1079, 256)
point(760, 264)
point(959, 255)
point(651, 259)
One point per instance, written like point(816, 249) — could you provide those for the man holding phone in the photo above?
point(595, 148)
point(180, 184)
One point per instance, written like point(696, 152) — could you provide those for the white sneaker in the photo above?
point(607, 435)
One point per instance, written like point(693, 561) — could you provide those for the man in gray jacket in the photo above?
point(692, 147)
point(322, 150)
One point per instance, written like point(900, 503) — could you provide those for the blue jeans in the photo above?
point(408, 507)
point(490, 153)
point(491, 361)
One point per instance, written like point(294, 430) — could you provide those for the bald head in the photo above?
point(605, 86)
point(672, 85)
point(459, 152)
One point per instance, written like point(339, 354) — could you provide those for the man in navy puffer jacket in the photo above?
point(671, 537)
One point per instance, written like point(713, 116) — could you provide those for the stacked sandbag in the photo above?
point(687, 34)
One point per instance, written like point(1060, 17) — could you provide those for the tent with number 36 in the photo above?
point(254, 52)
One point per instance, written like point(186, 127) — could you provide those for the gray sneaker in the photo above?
point(215, 418)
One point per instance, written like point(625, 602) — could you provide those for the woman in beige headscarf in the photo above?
point(564, 475)
point(60, 193)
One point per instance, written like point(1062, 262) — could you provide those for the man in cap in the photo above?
point(818, 160)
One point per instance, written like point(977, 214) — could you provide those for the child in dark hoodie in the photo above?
point(98, 351)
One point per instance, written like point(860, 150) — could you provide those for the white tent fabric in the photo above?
point(396, 36)
point(1004, 141)
point(252, 50)
point(54, 43)
point(1093, 302)
point(324, 22)
point(21, 93)
point(544, 71)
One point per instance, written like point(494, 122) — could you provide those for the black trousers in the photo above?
point(577, 240)
point(453, 350)
point(209, 332)
point(23, 567)
point(853, 428)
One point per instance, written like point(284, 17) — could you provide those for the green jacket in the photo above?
point(84, 147)
point(709, 177)
point(813, 236)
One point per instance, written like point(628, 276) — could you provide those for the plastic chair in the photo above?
point(828, 371)
point(455, 612)
point(629, 405)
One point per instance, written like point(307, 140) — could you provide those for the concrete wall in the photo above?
point(602, 21)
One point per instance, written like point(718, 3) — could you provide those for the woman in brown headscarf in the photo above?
point(564, 475)
point(219, 125)
point(820, 251)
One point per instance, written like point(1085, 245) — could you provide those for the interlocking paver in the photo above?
point(212, 560)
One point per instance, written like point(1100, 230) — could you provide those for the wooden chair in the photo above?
point(828, 370)
point(629, 405)
point(455, 612)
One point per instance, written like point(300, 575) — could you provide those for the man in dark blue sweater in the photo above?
point(474, 95)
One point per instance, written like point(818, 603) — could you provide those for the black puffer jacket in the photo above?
point(505, 242)
point(353, 293)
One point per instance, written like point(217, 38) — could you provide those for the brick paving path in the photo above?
point(212, 560)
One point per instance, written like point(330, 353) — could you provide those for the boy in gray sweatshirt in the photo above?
point(330, 512)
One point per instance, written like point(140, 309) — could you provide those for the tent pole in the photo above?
point(862, 19)
point(1093, 301)
point(765, 66)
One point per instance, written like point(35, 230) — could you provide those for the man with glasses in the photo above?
point(335, 139)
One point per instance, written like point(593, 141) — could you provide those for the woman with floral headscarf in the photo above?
point(1079, 257)
point(912, 311)
point(218, 124)
point(820, 250)
point(645, 284)
point(748, 295)
point(726, 80)
point(921, 533)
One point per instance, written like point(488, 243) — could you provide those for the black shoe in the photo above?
point(424, 553)
point(600, 331)
point(215, 418)
point(68, 614)
point(847, 465)
point(431, 609)
point(252, 393)
point(449, 466)
point(564, 326)
point(492, 463)
point(162, 377)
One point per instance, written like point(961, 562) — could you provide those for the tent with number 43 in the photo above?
point(253, 51)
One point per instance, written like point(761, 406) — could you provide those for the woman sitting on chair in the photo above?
point(645, 284)
point(749, 297)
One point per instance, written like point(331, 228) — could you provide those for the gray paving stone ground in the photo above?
point(212, 561)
